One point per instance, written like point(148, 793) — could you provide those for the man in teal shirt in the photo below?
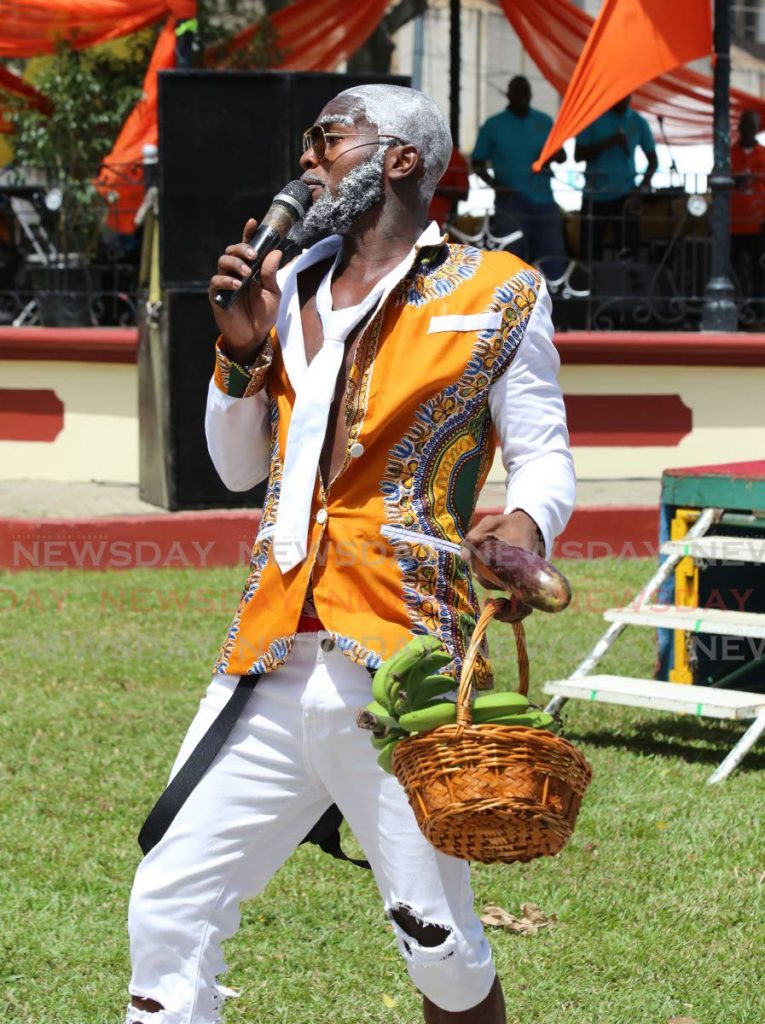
point(608, 146)
point(510, 142)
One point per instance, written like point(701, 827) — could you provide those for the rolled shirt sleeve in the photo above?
point(237, 420)
point(530, 420)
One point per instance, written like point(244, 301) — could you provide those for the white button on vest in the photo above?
point(356, 450)
point(321, 516)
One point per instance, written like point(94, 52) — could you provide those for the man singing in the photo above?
point(369, 380)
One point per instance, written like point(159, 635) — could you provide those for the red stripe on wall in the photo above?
point(29, 415)
point(203, 539)
point(634, 421)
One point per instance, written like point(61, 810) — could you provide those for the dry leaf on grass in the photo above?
point(389, 1001)
point(529, 923)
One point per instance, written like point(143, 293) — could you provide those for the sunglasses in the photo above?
point(318, 140)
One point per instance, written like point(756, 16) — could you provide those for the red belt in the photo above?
point(309, 624)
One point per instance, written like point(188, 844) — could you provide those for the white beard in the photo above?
point(357, 193)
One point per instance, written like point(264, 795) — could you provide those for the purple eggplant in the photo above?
point(528, 577)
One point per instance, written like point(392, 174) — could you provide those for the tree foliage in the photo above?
point(92, 92)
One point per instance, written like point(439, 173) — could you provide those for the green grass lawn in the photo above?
point(659, 895)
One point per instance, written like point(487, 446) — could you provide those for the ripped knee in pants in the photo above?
point(426, 934)
point(453, 971)
point(144, 1011)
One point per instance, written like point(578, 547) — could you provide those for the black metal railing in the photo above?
point(59, 273)
point(639, 262)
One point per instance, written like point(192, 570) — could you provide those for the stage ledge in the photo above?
point(660, 348)
point(614, 348)
point(70, 344)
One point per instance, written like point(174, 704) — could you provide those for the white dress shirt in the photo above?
point(526, 407)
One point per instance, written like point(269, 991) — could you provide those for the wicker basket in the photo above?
point(492, 792)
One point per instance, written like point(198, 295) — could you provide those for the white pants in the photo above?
point(295, 750)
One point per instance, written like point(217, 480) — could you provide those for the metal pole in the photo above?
point(419, 51)
point(455, 41)
point(719, 312)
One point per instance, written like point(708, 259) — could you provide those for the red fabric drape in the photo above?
point(682, 97)
point(631, 43)
point(17, 87)
point(121, 171)
point(29, 28)
point(316, 35)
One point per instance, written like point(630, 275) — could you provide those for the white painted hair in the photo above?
point(414, 118)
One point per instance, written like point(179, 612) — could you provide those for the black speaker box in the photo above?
point(228, 141)
point(176, 361)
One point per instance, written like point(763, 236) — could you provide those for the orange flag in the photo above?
point(631, 42)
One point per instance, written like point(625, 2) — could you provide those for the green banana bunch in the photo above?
point(432, 716)
point(405, 692)
point(383, 719)
point(389, 678)
point(504, 703)
point(534, 719)
point(425, 681)
point(380, 740)
point(385, 757)
point(486, 708)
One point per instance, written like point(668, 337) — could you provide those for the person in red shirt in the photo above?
point(747, 211)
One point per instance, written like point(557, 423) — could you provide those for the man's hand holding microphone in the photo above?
point(244, 294)
point(247, 322)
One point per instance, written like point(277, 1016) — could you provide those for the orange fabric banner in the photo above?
point(122, 171)
point(682, 97)
point(29, 28)
point(631, 43)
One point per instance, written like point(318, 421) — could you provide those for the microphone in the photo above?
point(287, 207)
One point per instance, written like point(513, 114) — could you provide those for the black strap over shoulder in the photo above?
point(202, 756)
point(326, 831)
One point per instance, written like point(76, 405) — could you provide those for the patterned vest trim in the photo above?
point(383, 556)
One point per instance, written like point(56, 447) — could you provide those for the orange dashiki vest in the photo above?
point(383, 546)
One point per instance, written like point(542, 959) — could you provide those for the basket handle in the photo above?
point(492, 607)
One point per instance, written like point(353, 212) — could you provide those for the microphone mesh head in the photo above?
point(299, 192)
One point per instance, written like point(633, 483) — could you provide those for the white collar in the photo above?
point(288, 325)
